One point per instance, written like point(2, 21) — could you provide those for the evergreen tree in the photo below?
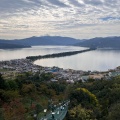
point(2, 82)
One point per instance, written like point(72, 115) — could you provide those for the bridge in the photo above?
point(58, 113)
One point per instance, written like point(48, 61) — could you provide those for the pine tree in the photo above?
point(2, 82)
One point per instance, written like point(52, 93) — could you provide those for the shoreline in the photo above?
point(28, 61)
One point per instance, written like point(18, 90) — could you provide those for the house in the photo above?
point(84, 78)
point(70, 81)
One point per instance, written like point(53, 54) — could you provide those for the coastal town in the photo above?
point(18, 66)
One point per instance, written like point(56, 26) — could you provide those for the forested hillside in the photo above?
point(28, 94)
point(108, 42)
point(43, 40)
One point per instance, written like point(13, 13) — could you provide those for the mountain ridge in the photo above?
point(98, 42)
point(44, 40)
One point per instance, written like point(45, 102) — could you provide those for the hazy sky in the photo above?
point(73, 18)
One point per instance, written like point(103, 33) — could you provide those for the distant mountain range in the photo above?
point(108, 42)
point(43, 40)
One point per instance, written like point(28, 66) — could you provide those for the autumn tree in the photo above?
point(79, 113)
point(84, 97)
point(14, 110)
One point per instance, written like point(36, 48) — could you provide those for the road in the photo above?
point(58, 114)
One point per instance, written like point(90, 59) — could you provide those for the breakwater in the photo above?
point(63, 54)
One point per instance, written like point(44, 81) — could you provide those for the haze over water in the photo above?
point(100, 60)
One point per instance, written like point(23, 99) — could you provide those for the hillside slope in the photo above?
point(108, 42)
point(44, 40)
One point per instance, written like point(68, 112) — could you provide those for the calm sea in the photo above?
point(100, 60)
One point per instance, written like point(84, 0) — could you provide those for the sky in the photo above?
point(81, 19)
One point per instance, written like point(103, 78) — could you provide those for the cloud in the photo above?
point(76, 3)
point(57, 2)
point(93, 2)
point(59, 17)
point(110, 18)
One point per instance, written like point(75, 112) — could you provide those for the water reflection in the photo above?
point(35, 50)
point(94, 60)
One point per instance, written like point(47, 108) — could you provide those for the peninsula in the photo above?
point(63, 54)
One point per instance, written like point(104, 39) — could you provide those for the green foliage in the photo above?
point(34, 92)
point(84, 97)
point(38, 108)
point(79, 113)
point(27, 89)
point(11, 85)
point(2, 82)
point(91, 100)
point(57, 87)
point(9, 95)
point(114, 112)
point(106, 91)
point(46, 76)
point(1, 114)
